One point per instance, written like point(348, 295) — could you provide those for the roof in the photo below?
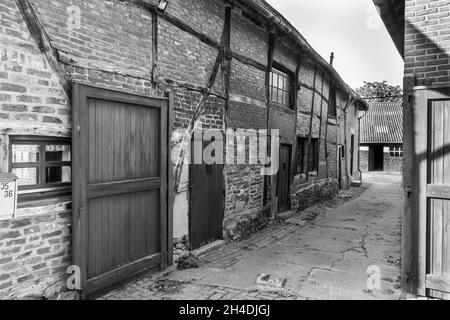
point(393, 14)
point(383, 123)
point(276, 18)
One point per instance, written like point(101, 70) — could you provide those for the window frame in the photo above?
point(313, 165)
point(41, 189)
point(287, 86)
point(396, 151)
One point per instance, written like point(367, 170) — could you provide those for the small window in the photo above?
point(332, 103)
point(40, 163)
point(280, 87)
point(396, 151)
point(313, 165)
point(300, 155)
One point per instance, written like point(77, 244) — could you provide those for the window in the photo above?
point(280, 89)
point(40, 163)
point(313, 165)
point(396, 151)
point(300, 155)
point(332, 103)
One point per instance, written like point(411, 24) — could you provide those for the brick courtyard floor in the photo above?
point(323, 252)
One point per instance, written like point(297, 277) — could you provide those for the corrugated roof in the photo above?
point(383, 123)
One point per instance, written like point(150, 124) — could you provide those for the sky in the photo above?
point(353, 30)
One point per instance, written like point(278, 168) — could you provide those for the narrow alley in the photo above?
point(325, 252)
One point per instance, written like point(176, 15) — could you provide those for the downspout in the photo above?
point(359, 143)
point(346, 158)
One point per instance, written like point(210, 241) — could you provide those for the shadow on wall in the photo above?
point(429, 69)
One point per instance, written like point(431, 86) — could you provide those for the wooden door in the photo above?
point(438, 198)
point(206, 204)
point(119, 185)
point(352, 154)
point(376, 158)
point(283, 177)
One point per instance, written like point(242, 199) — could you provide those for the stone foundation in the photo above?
point(308, 194)
point(240, 226)
point(181, 248)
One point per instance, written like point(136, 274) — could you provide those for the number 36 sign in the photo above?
point(8, 195)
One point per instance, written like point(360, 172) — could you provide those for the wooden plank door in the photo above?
point(438, 198)
point(284, 177)
point(206, 204)
point(119, 185)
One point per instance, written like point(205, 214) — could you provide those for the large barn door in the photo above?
point(438, 198)
point(119, 185)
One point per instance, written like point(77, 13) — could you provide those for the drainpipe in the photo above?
point(359, 143)
point(346, 157)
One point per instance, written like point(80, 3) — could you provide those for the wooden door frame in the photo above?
point(81, 92)
point(414, 237)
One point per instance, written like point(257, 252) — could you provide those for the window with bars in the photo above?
point(396, 151)
point(40, 163)
point(280, 87)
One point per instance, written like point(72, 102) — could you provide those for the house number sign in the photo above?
point(8, 195)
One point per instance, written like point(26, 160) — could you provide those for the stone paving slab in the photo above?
point(323, 252)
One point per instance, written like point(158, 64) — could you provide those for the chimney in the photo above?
point(332, 58)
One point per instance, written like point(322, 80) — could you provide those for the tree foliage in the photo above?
point(380, 91)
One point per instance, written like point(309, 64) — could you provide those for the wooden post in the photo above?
point(321, 119)
point(199, 110)
point(295, 90)
point(154, 74)
point(267, 83)
point(39, 34)
point(308, 158)
point(170, 181)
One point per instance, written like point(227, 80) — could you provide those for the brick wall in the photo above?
point(113, 48)
point(427, 36)
point(35, 248)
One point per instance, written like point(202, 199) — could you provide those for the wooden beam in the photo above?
point(154, 48)
point(304, 85)
point(308, 157)
point(270, 51)
point(199, 110)
point(249, 61)
point(170, 182)
point(321, 120)
point(295, 91)
point(39, 34)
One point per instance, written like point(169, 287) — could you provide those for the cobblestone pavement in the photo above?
point(324, 253)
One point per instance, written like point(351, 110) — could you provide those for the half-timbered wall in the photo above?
point(127, 46)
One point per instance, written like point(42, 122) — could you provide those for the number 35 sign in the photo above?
point(8, 195)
